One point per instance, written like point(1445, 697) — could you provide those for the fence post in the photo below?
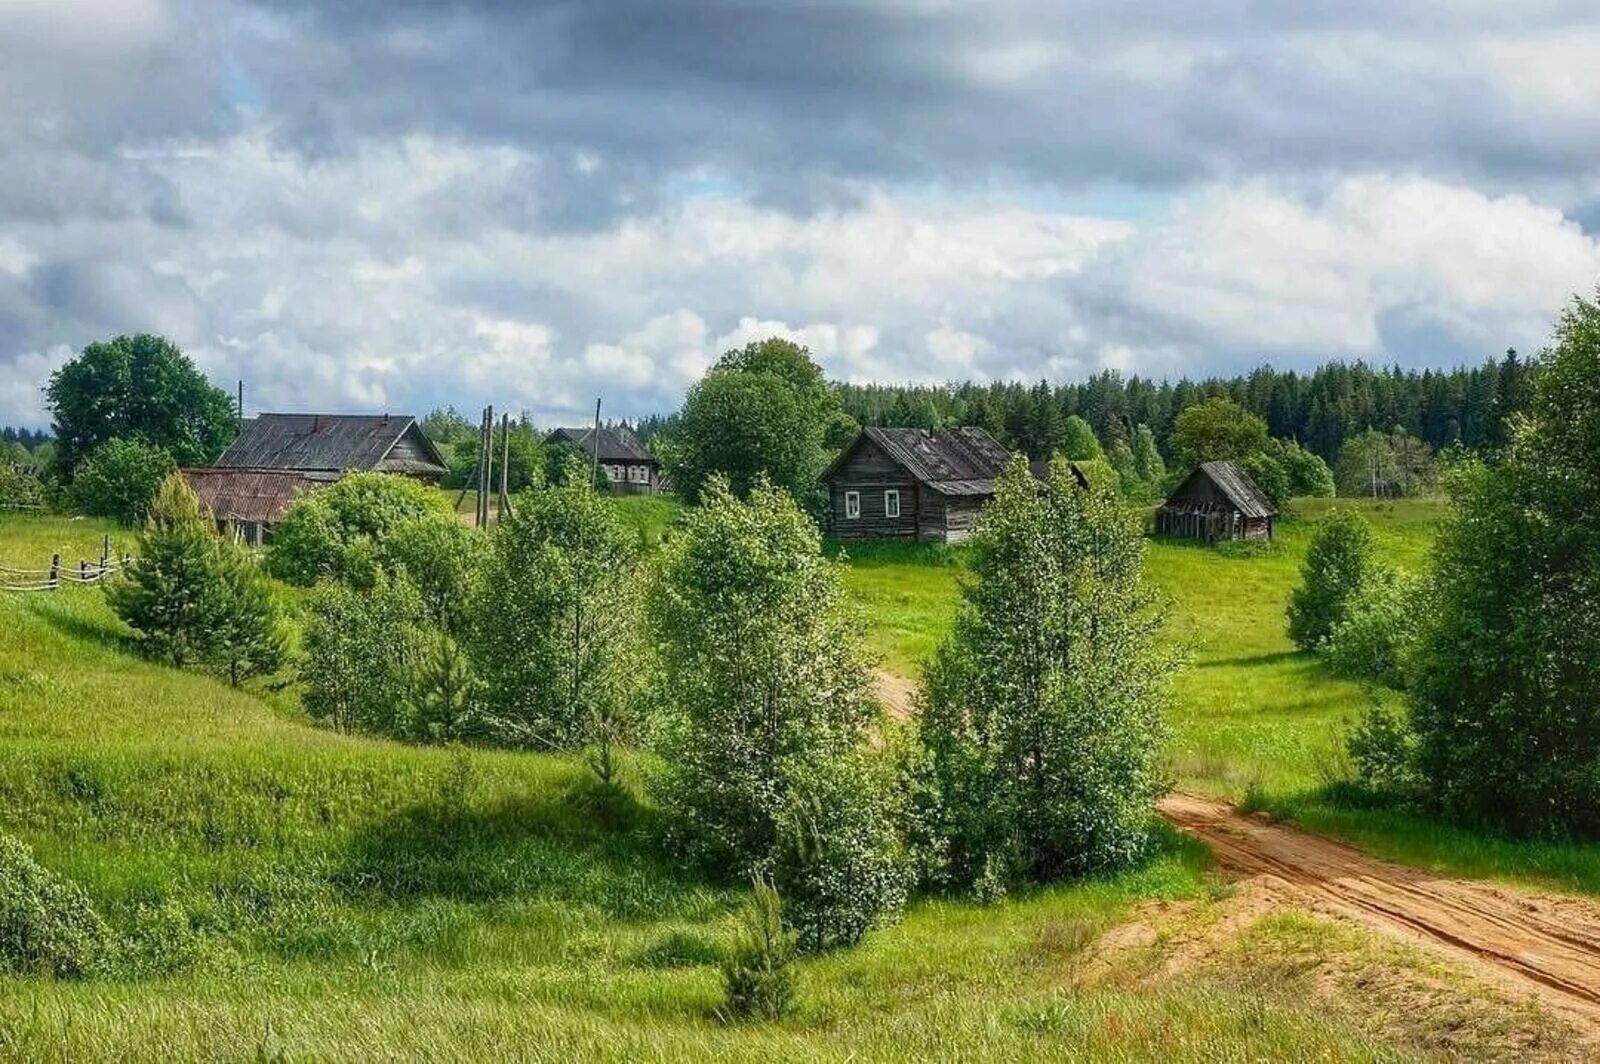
point(83, 570)
point(55, 571)
point(105, 554)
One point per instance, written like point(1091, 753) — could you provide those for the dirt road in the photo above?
point(1546, 945)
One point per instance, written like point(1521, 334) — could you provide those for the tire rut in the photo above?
point(1545, 945)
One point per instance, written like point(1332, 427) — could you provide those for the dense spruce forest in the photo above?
point(1320, 409)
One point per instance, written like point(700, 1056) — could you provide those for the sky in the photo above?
point(393, 205)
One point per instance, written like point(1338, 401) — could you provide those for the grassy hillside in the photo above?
point(290, 893)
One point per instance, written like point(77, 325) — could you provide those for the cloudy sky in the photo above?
point(391, 204)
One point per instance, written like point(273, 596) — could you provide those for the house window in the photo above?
point(639, 474)
point(852, 504)
point(891, 503)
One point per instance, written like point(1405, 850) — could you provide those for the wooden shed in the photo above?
point(247, 502)
point(914, 483)
point(1217, 501)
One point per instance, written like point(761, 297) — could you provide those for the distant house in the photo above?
point(277, 457)
point(628, 466)
point(1217, 501)
point(915, 483)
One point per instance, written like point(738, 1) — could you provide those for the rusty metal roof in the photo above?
point(325, 442)
point(252, 494)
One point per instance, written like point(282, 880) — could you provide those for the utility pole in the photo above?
point(505, 464)
point(241, 404)
point(594, 446)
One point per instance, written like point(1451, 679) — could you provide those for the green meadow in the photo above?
point(289, 893)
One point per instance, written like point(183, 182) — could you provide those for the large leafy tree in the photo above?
point(1507, 679)
point(764, 715)
point(763, 411)
point(342, 530)
point(142, 388)
point(1041, 717)
point(1216, 430)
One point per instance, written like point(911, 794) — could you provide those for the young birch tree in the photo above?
point(1041, 715)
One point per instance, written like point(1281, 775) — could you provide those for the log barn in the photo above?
point(276, 457)
point(915, 483)
point(1217, 501)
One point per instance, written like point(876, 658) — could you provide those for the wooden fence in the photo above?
point(58, 573)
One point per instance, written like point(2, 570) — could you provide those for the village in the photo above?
point(789, 531)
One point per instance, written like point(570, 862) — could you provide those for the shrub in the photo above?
point(1042, 711)
point(757, 974)
point(18, 489)
point(1383, 751)
point(840, 865)
point(442, 557)
point(317, 531)
point(1271, 476)
point(554, 634)
point(362, 650)
point(1308, 473)
point(47, 925)
point(1342, 558)
point(1376, 637)
point(120, 478)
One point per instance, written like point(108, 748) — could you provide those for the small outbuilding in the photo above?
point(915, 483)
point(248, 502)
point(629, 467)
point(1217, 501)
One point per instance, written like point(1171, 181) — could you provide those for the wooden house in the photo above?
point(627, 466)
point(276, 457)
point(1217, 501)
point(915, 483)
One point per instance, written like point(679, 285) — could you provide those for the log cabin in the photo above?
point(915, 483)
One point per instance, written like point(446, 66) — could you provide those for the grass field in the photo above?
point(297, 894)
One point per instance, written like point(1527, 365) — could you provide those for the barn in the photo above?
point(1217, 501)
point(277, 457)
point(915, 483)
point(629, 468)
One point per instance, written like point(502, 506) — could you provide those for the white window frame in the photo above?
point(639, 474)
point(852, 505)
point(891, 502)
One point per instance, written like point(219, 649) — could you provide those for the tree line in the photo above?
point(1469, 407)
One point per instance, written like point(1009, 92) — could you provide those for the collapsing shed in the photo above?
point(1217, 501)
point(249, 501)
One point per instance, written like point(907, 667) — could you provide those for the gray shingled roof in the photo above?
point(1239, 488)
point(333, 442)
point(963, 461)
point(616, 445)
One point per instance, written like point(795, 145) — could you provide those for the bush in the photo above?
point(1383, 751)
point(362, 650)
point(442, 557)
point(840, 865)
point(337, 531)
point(120, 478)
point(47, 926)
point(1042, 711)
point(18, 489)
point(1341, 560)
point(1308, 473)
point(1378, 633)
point(757, 974)
point(1271, 476)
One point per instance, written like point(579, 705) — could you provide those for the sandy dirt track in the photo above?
point(1545, 945)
